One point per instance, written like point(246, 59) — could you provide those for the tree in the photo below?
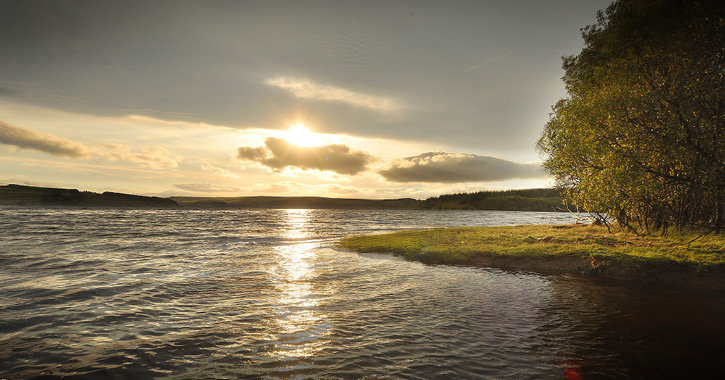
point(641, 134)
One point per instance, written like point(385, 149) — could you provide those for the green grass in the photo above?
point(461, 245)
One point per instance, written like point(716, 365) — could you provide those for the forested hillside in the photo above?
point(45, 196)
point(510, 200)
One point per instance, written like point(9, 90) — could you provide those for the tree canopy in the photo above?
point(641, 134)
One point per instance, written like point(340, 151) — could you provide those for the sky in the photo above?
point(354, 99)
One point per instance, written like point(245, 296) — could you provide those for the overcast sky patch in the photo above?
point(162, 80)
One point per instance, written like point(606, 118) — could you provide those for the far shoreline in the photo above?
point(529, 200)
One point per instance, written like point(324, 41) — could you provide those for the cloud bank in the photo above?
point(150, 157)
point(201, 187)
point(26, 139)
point(441, 167)
point(218, 171)
point(278, 154)
point(307, 89)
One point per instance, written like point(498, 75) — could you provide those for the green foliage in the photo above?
point(509, 200)
point(641, 135)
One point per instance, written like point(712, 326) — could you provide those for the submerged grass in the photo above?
point(461, 245)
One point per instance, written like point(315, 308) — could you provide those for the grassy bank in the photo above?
point(684, 261)
point(687, 259)
point(462, 245)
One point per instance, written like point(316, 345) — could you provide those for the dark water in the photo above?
point(131, 294)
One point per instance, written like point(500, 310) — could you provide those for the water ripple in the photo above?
point(182, 294)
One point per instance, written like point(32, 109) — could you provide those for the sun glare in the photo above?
point(298, 134)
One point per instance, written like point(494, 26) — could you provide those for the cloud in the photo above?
point(278, 154)
point(441, 167)
point(27, 139)
point(174, 123)
point(207, 188)
point(219, 171)
point(150, 157)
point(155, 157)
point(252, 154)
point(307, 89)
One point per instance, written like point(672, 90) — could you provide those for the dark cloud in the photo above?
point(27, 139)
point(251, 154)
point(278, 154)
point(444, 167)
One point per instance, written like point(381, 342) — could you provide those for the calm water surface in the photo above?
point(179, 294)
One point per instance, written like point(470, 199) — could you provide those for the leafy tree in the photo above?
point(641, 135)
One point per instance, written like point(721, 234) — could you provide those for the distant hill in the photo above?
point(295, 202)
point(509, 200)
point(47, 196)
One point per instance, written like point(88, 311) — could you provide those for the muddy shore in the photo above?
point(671, 275)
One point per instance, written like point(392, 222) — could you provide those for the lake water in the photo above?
point(178, 294)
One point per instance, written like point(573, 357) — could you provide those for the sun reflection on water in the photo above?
point(300, 325)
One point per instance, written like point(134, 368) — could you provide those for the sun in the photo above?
point(299, 134)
